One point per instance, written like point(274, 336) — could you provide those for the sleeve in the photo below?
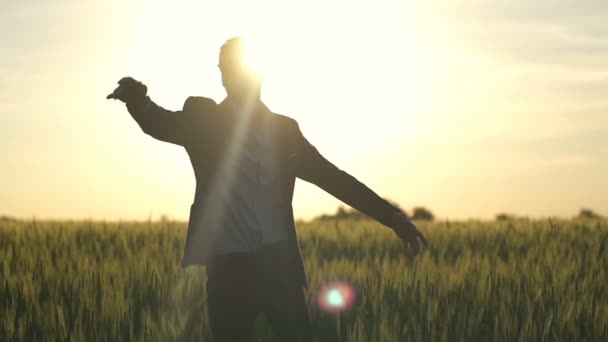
point(312, 167)
point(170, 126)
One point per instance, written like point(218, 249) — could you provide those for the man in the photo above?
point(241, 223)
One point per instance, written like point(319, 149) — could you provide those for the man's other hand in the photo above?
point(129, 91)
point(408, 233)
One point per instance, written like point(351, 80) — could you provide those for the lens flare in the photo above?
point(336, 297)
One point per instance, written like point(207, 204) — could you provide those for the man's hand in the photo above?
point(407, 232)
point(129, 91)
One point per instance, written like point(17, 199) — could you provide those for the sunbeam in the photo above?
point(207, 214)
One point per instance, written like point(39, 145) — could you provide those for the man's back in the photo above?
point(241, 150)
point(217, 141)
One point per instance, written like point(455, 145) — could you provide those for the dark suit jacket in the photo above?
point(208, 130)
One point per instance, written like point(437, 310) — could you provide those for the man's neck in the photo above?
point(243, 102)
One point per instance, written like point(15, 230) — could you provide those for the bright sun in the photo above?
point(258, 55)
point(322, 72)
point(346, 71)
point(326, 81)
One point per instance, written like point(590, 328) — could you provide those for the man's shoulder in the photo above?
point(286, 120)
point(198, 104)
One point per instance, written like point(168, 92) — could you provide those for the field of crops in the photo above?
point(477, 281)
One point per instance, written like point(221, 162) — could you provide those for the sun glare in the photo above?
point(322, 75)
point(257, 55)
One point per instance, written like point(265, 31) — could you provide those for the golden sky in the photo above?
point(469, 108)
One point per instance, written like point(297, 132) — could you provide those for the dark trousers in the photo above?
point(242, 285)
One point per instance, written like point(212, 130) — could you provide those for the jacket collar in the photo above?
point(257, 109)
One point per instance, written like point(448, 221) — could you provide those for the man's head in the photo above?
point(237, 77)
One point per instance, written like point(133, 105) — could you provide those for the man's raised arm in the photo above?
point(160, 123)
point(154, 120)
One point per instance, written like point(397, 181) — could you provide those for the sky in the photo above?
point(469, 108)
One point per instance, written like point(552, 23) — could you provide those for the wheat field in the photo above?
point(523, 280)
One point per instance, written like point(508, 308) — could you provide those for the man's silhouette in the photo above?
point(241, 223)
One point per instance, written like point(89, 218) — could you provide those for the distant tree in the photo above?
point(343, 213)
point(504, 217)
point(588, 214)
point(423, 214)
point(324, 217)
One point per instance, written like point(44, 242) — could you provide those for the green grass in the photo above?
point(477, 281)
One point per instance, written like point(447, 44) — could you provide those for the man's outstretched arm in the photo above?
point(154, 120)
point(159, 123)
point(314, 168)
